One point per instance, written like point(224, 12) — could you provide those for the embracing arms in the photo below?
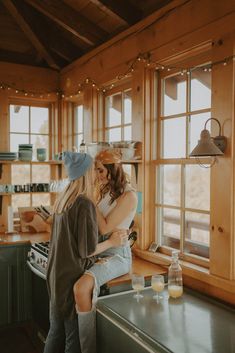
point(125, 204)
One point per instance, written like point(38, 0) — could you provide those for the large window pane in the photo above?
point(114, 109)
point(197, 227)
point(19, 118)
point(16, 139)
point(197, 123)
point(128, 169)
point(78, 140)
point(127, 107)
point(114, 135)
point(169, 227)
point(197, 187)
point(200, 89)
point(20, 174)
point(127, 133)
point(40, 173)
point(174, 98)
point(78, 128)
point(170, 185)
point(174, 137)
point(20, 201)
point(42, 199)
point(29, 125)
point(39, 141)
point(39, 120)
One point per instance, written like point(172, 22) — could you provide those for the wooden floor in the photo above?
point(15, 340)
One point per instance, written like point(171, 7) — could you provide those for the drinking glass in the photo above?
point(138, 285)
point(157, 283)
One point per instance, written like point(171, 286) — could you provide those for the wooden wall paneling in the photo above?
point(233, 173)
point(101, 117)
point(95, 115)
point(161, 36)
point(56, 123)
point(65, 124)
point(29, 78)
point(6, 199)
point(70, 125)
point(153, 150)
point(4, 122)
point(4, 147)
point(141, 112)
point(221, 251)
point(137, 86)
point(88, 113)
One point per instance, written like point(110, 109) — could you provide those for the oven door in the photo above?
point(36, 271)
point(40, 302)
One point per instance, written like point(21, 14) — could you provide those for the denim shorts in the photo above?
point(113, 263)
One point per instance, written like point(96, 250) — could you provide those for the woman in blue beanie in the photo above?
point(73, 247)
point(116, 207)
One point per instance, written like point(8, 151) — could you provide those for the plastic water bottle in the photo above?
point(175, 280)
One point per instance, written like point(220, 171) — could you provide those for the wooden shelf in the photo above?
point(31, 162)
point(27, 192)
point(132, 161)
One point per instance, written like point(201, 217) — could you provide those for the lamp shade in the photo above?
point(206, 146)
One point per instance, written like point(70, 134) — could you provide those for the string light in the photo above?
point(17, 90)
point(145, 58)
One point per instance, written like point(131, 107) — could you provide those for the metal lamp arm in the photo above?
point(216, 121)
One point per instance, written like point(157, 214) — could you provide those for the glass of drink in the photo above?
point(138, 285)
point(157, 283)
point(175, 291)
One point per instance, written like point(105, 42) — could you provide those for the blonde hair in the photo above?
point(77, 187)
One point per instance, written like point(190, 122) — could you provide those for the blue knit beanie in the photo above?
point(76, 164)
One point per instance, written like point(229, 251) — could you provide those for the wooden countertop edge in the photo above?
point(23, 238)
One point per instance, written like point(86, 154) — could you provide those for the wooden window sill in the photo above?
point(195, 276)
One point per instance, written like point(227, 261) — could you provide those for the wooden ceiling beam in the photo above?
point(65, 51)
point(25, 27)
point(73, 22)
point(122, 8)
point(21, 58)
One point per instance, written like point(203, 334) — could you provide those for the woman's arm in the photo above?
point(125, 204)
point(116, 239)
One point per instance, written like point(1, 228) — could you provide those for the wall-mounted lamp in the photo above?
point(210, 146)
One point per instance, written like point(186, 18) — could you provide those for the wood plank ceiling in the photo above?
point(54, 33)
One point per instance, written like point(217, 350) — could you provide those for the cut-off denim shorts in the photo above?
point(114, 262)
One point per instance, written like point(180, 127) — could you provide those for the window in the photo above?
point(118, 117)
point(29, 124)
point(182, 201)
point(78, 135)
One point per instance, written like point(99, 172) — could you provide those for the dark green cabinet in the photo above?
point(15, 284)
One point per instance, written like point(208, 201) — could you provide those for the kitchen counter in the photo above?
point(22, 238)
point(190, 324)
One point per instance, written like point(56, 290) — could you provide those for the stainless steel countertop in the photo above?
point(190, 324)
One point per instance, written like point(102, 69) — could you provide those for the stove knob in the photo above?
point(31, 256)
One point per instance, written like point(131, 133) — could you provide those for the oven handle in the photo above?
point(36, 271)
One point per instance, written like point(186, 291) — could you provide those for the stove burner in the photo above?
point(42, 247)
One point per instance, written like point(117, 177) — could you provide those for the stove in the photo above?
point(37, 258)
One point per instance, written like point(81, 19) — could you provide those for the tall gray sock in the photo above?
point(87, 330)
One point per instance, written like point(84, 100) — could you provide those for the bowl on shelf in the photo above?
point(127, 153)
point(41, 154)
point(25, 155)
point(96, 147)
point(8, 156)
